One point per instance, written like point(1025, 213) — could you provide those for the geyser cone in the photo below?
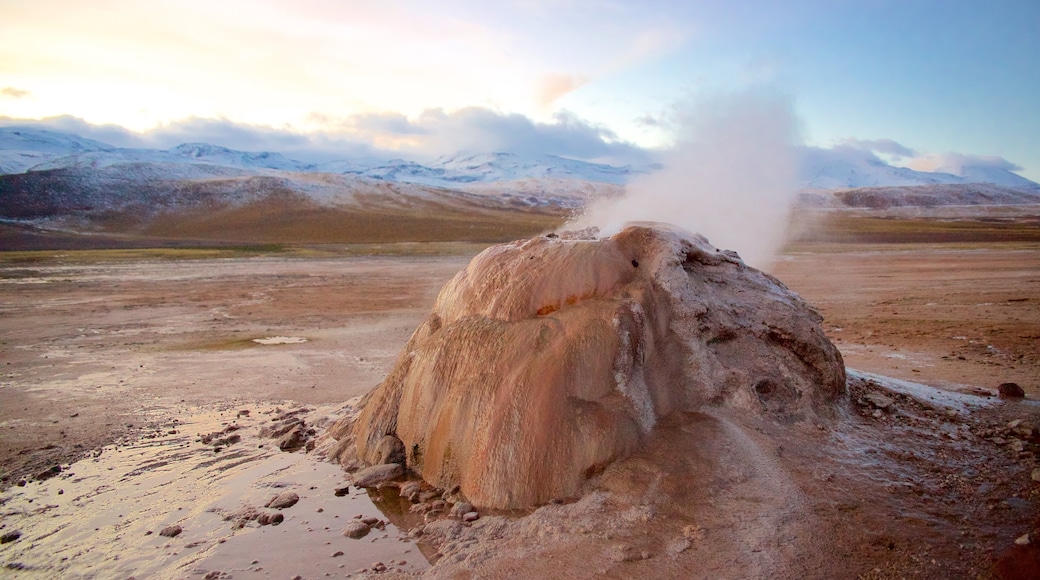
point(547, 359)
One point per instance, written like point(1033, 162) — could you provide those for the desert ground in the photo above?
point(116, 363)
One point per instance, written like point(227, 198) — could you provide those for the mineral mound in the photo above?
point(546, 360)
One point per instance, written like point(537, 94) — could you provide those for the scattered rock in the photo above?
point(171, 531)
point(1022, 540)
point(370, 520)
point(342, 491)
point(376, 474)
point(10, 537)
point(337, 553)
point(1036, 474)
point(286, 499)
point(356, 529)
point(270, 519)
point(470, 517)
point(460, 509)
point(214, 575)
point(1011, 391)
point(411, 490)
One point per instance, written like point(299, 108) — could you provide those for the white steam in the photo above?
point(732, 177)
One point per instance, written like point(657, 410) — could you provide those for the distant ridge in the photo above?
point(25, 149)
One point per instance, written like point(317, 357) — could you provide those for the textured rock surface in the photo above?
point(546, 360)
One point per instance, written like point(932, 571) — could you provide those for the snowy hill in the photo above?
point(23, 147)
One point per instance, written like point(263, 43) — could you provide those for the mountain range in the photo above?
point(24, 149)
point(202, 191)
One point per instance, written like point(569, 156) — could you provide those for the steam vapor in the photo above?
point(732, 177)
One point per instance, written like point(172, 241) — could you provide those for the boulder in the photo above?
point(372, 476)
point(1011, 391)
point(545, 360)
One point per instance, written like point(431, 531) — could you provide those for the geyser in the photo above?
point(547, 359)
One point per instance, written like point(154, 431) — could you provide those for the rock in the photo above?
point(429, 495)
point(171, 531)
point(356, 529)
point(286, 499)
point(878, 400)
point(1014, 424)
point(379, 567)
point(389, 450)
point(460, 509)
point(547, 359)
point(411, 488)
point(470, 517)
point(342, 491)
point(49, 473)
point(1011, 391)
point(270, 519)
point(10, 537)
point(1036, 474)
point(293, 440)
point(370, 521)
point(376, 474)
point(337, 553)
point(1022, 540)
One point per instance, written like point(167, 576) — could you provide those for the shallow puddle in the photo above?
point(101, 517)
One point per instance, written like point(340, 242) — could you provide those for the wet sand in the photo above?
point(98, 354)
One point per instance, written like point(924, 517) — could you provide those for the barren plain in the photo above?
point(115, 352)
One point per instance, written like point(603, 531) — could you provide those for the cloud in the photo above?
point(554, 86)
point(886, 146)
point(956, 163)
point(649, 121)
point(14, 93)
point(434, 132)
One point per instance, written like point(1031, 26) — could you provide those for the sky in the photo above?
point(921, 83)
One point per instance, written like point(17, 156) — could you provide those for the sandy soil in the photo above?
point(101, 353)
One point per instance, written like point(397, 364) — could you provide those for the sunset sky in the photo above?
point(917, 80)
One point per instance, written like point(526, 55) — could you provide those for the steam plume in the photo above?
point(732, 177)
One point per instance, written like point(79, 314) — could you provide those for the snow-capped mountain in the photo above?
point(29, 149)
point(22, 148)
point(843, 168)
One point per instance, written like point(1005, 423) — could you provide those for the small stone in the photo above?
point(470, 517)
point(460, 509)
point(878, 414)
point(294, 439)
point(270, 519)
point(356, 529)
point(337, 553)
point(1036, 474)
point(171, 531)
point(213, 575)
point(342, 491)
point(1022, 540)
point(10, 537)
point(286, 499)
point(1011, 390)
point(376, 474)
point(878, 400)
point(370, 521)
point(410, 488)
point(1015, 423)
